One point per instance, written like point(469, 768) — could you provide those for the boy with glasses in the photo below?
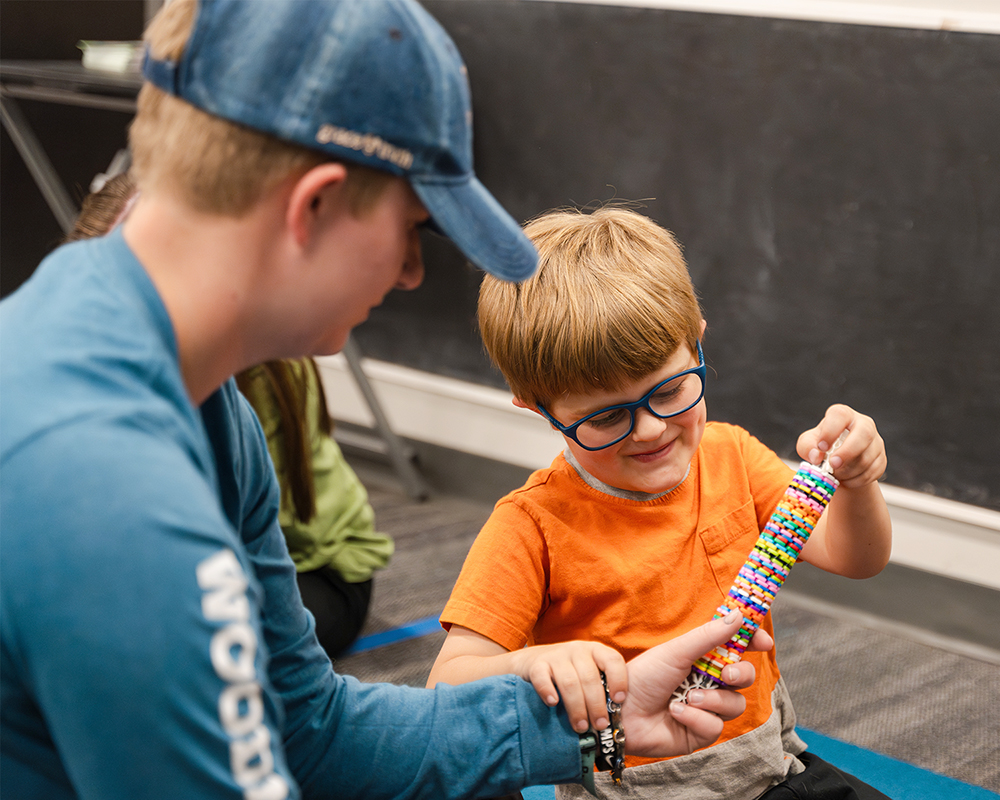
point(636, 531)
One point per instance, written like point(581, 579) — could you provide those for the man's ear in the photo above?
point(312, 198)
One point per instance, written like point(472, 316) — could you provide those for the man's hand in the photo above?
point(657, 727)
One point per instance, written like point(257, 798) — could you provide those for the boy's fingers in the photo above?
point(597, 706)
point(589, 676)
point(573, 697)
point(814, 444)
point(870, 463)
point(860, 458)
point(615, 672)
point(542, 681)
point(572, 674)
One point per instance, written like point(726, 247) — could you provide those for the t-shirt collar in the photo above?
point(614, 491)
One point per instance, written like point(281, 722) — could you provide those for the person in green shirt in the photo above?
point(325, 514)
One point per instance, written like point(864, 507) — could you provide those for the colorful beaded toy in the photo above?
point(765, 570)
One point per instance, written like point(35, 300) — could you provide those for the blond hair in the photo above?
point(611, 302)
point(214, 165)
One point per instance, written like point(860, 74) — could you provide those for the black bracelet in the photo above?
point(606, 748)
point(611, 741)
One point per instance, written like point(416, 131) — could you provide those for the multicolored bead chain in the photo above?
point(765, 570)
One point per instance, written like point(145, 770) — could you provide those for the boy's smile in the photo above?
point(655, 457)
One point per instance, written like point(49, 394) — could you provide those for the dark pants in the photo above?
point(339, 607)
point(822, 781)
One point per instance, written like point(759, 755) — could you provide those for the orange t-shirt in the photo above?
point(559, 560)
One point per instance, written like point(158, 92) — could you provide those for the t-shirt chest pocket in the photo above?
point(728, 542)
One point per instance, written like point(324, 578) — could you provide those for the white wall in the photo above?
point(978, 16)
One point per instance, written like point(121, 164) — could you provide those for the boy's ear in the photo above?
point(312, 199)
point(517, 401)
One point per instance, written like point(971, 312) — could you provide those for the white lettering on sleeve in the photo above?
point(225, 587)
point(271, 788)
point(241, 708)
point(251, 757)
point(233, 652)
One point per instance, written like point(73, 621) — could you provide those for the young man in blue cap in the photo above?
point(153, 640)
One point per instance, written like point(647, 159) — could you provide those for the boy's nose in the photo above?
point(648, 426)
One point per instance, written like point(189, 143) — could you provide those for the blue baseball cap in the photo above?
point(375, 82)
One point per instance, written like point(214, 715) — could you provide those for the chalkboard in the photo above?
point(836, 188)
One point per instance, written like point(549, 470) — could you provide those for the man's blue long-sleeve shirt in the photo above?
point(153, 640)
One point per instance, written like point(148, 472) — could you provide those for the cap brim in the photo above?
point(479, 226)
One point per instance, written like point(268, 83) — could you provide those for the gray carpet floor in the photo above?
point(872, 685)
point(885, 692)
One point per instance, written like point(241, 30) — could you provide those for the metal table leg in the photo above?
point(402, 455)
point(38, 163)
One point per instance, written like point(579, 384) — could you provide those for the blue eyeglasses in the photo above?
point(675, 395)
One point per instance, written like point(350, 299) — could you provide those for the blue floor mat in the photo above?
point(539, 793)
point(897, 779)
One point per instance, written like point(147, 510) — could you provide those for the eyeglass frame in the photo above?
point(643, 402)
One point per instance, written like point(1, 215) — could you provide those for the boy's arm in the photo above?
point(569, 671)
point(853, 538)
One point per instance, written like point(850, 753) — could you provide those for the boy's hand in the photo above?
point(657, 727)
point(571, 671)
point(859, 460)
point(853, 538)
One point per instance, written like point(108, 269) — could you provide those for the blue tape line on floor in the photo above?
point(412, 630)
point(897, 779)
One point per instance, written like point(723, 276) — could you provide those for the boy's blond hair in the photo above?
point(214, 165)
point(611, 302)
